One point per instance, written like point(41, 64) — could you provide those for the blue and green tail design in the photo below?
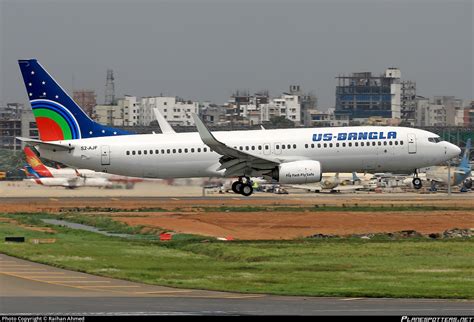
point(58, 117)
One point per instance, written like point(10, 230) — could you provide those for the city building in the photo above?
point(174, 109)
point(16, 121)
point(85, 99)
point(362, 95)
point(441, 111)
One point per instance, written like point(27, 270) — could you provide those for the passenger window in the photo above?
point(277, 147)
point(139, 152)
point(312, 145)
point(247, 148)
point(266, 147)
point(350, 143)
point(133, 152)
point(344, 144)
point(253, 147)
point(180, 150)
point(294, 146)
point(168, 151)
point(379, 143)
point(157, 151)
point(373, 143)
point(401, 142)
point(241, 148)
point(306, 146)
point(205, 149)
point(361, 143)
point(128, 152)
point(384, 142)
point(192, 150)
point(325, 145)
point(162, 151)
point(199, 149)
point(330, 145)
point(288, 146)
point(356, 143)
point(185, 150)
point(283, 147)
point(396, 142)
point(260, 147)
point(174, 150)
point(319, 145)
point(145, 152)
point(337, 145)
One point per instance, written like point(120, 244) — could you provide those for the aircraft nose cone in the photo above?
point(453, 150)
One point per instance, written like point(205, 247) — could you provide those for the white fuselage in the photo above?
point(182, 155)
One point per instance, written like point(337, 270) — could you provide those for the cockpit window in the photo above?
point(434, 140)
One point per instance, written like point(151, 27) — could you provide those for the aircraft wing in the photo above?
point(348, 188)
point(234, 161)
point(46, 145)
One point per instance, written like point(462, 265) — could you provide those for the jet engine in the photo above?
point(298, 172)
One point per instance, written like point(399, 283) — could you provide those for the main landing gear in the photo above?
point(243, 186)
point(417, 184)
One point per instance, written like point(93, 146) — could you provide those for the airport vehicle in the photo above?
point(289, 156)
point(459, 176)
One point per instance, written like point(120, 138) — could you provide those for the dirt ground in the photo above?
point(188, 215)
point(290, 225)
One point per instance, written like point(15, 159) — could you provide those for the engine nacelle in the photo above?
point(298, 172)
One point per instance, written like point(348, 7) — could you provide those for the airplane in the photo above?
point(67, 182)
point(460, 175)
point(289, 156)
point(100, 179)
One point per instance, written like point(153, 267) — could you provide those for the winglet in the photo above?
point(204, 133)
point(164, 125)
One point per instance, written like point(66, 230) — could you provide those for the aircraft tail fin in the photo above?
point(35, 163)
point(57, 116)
point(465, 159)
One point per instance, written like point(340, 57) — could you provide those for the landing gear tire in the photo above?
point(468, 184)
point(417, 183)
point(246, 190)
point(237, 187)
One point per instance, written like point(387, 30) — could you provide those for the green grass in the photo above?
point(334, 267)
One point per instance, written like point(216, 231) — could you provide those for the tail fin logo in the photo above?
point(54, 121)
point(58, 117)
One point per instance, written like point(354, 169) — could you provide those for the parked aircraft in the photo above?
point(67, 182)
point(459, 175)
point(289, 156)
point(39, 170)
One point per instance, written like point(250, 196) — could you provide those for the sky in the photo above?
point(205, 50)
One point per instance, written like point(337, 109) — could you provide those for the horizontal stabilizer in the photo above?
point(46, 145)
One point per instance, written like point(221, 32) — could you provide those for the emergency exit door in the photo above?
point(411, 143)
point(105, 155)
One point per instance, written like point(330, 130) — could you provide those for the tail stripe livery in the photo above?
point(58, 117)
point(35, 163)
point(465, 159)
point(62, 125)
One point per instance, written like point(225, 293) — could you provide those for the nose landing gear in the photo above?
point(417, 184)
point(243, 186)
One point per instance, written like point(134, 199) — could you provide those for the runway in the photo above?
point(32, 288)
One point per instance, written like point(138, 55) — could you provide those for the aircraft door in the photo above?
point(105, 155)
point(411, 143)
